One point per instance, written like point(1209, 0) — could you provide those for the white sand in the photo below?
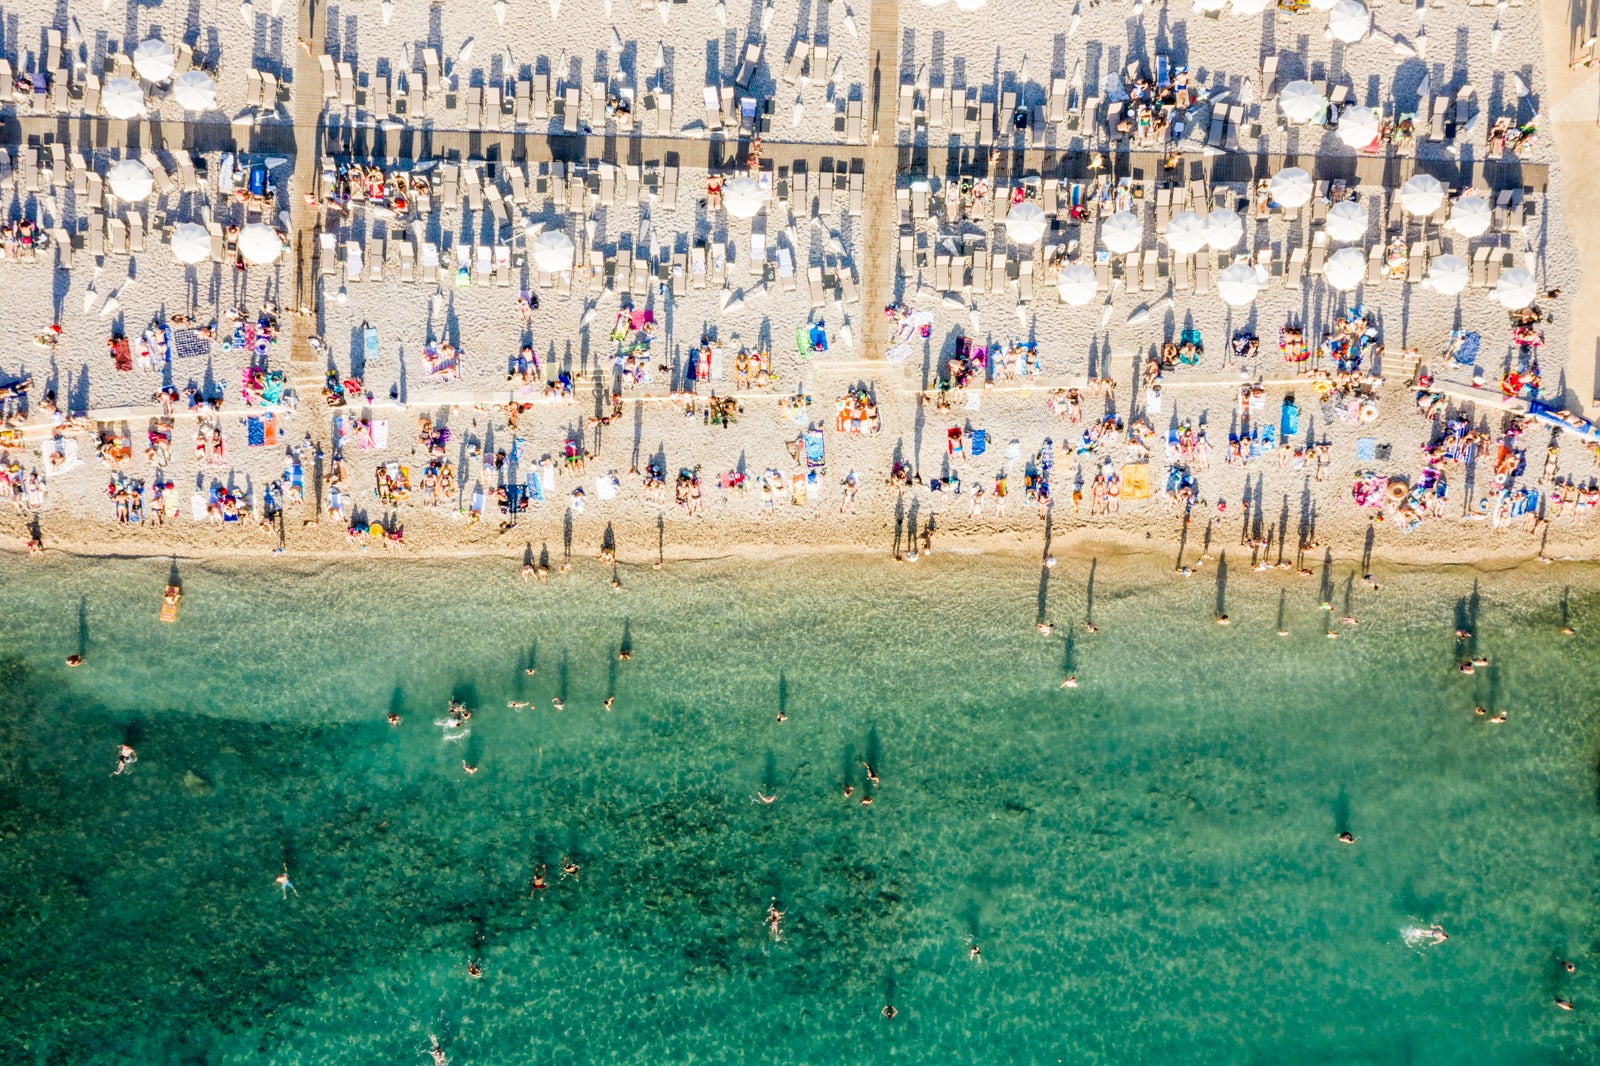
point(483, 317)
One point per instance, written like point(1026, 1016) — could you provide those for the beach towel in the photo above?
point(369, 343)
point(261, 430)
point(980, 442)
point(197, 506)
point(1152, 401)
point(1136, 481)
point(67, 448)
point(606, 486)
point(814, 448)
point(974, 401)
point(535, 486)
point(1290, 420)
point(186, 344)
point(898, 354)
point(1366, 448)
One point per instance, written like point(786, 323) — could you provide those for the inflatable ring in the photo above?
point(1398, 489)
point(1369, 412)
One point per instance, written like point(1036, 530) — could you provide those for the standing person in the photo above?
point(285, 885)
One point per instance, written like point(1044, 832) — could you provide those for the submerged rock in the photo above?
point(195, 785)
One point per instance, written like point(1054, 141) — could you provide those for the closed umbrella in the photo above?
point(1469, 216)
point(1238, 284)
point(191, 243)
point(1122, 232)
point(153, 60)
point(259, 244)
point(1421, 194)
point(742, 197)
point(1344, 269)
point(130, 181)
point(1025, 223)
point(195, 91)
point(1447, 274)
point(1349, 21)
point(1301, 101)
point(1347, 221)
point(1515, 289)
point(1224, 229)
point(1076, 284)
point(1290, 187)
point(1358, 126)
point(1187, 233)
point(122, 98)
point(552, 251)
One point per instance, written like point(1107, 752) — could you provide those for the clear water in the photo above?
point(1148, 862)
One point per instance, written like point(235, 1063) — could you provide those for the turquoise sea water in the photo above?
point(1147, 862)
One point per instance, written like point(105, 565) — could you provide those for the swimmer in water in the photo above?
point(1090, 627)
point(1480, 661)
point(558, 704)
point(764, 798)
point(538, 881)
point(126, 757)
point(1480, 711)
point(1333, 635)
point(782, 717)
point(1045, 629)
point(569, 869)
point(527, 571)
point(1184, 571)
point(1071, 682)
point(1567, 631)
point(624, 655)
point(1463, 634)
point(1283, 632)
point(975, 953)
point(285, 885)
point(1568, 966)
point(393, 720)
point(1350, 620)
point(1437, 934)
point(468, 768)
point(1467, 668)
point(872, 774)
point(1347, 837)
point(774, 917)
point(1498, 717)
point(517, 705)
point(849, 790)
point(889, 1012)
point(437, 1052)
point(1564, 1004)
point(474, 970)
point(609, 701)
point(866, 801)
point(74, 660)
point(531, 670)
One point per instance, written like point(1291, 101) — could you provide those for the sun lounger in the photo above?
point(97, 236)
point(1202, 274)
point(1000, 271)
point(858, 192)
point(798, 54)
point(541, 96)
point(188, 179)
point(1416, 262)
point(853, 116)
point(640, 284)
point(986, 120)
point(1150, 264)
point(330, 76)
point(135, 233)
point(408, 261)
point(936, 107)
point(814, 281)
point(907, 106)
point(116, 236)
point(1319, 253)
point(1294, 277)
point(1375, 271)
point(624, 269)
point(1496, 261)
point(569, 105)
point(473, 112)
point(747, 66)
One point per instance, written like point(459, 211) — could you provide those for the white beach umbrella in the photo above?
point(1249, 7)
point(1469, 216)
point(1290, 187)
point(130, 181)
point(552, 251)
point(259, 244)
point(1187, 233)
point(1025, 223)
point(1349, 21)
point(1447, 274)
point(153, 60)
point(1516, 289)
point(1076, 284)
point(1358, 126)
point(1347, 221)
point(1323, 5)
point(1122, 232)
point(195, 91)
point(1224, 229)
point(191, 243)
point(970, 5)
point(742, 197)
point(1238, 284)
point(1344, 269)
point(1210, 5)
point(1301, 101)
point(933, 3)
point(1421, 194)
point(122, 98)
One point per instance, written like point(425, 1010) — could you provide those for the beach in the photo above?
point(1012, 531)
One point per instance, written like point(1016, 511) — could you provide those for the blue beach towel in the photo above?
point(980, 441)
point(1367, 448)
point(814, 447)
point(536, 487)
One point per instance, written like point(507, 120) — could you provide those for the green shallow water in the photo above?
point(1148, 862)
